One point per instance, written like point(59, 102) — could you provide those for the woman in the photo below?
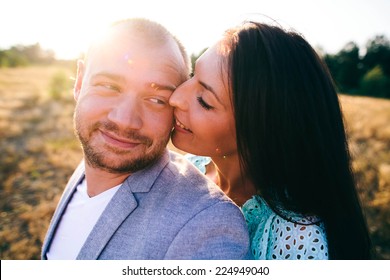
point(263, 109)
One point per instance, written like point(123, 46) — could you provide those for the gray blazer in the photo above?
point(167, 211)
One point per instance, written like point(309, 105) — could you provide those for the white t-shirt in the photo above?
point(77, 222)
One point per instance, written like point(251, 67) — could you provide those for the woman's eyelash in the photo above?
point(203, 103)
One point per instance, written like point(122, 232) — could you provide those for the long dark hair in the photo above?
point(290, 133)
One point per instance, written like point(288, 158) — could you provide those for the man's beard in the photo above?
point(96, 157)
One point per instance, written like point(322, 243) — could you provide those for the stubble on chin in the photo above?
point(112, 160)
point(120, 163)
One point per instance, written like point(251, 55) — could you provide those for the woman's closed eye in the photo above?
point(203, 103)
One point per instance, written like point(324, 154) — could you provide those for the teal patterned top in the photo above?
point(274, 237)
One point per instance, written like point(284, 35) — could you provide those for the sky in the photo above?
point(67, 26)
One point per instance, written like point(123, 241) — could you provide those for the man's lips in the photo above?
point(118, 141)
point(180, 126)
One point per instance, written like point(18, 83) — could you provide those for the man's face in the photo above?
point(122, 117)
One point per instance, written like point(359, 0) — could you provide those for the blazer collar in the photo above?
point(143, 180)
point(120, 207)
point(117, 210)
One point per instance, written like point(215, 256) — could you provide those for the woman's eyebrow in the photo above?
point(210, 88)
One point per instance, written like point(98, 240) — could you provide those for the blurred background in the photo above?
point(40, 42)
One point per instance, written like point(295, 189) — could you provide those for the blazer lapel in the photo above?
point(120, 206)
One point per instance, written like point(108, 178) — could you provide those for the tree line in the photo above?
point(355, 71)
point(21, 55)
point(367, 74)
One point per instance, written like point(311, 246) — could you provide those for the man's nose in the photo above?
point(127, 113)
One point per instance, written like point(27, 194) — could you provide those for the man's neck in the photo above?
point(99, 180)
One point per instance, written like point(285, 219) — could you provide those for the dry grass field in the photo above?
point(38, 152)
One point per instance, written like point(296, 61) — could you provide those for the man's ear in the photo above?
point(79, 79)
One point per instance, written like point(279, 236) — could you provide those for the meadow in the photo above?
point(38, 153)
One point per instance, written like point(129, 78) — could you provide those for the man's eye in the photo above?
point(109, 87)
point(157, 101)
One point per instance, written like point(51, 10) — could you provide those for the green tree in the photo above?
point(345, 67)
point(375, 83)
point(378, 53)
point(23, 55)
point(12, 58)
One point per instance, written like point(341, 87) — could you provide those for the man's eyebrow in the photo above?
point(108, 75)
point(157, 86)
point(209, 88)
point(119, 78)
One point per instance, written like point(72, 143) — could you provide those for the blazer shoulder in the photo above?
point(187, 177)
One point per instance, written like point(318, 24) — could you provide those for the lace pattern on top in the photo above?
point(199, 161)
point(273, 237)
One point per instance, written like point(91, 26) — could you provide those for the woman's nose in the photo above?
point(179, 97)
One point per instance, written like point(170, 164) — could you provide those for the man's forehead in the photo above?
point(137, 50)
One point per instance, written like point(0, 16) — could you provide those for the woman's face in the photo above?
point(204, 120)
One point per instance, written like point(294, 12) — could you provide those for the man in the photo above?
point(131, 198)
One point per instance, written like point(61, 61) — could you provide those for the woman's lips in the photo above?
point(180, 126)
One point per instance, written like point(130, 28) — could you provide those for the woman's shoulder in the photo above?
point(276, 237)
point(200, 162)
